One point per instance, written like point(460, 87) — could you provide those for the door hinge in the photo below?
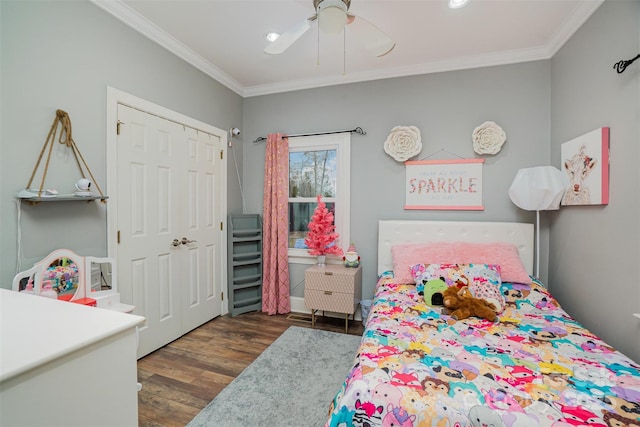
point(118, 236)
point(221, 154)
point(221, 296)
point(118, 127)
point(221, 227)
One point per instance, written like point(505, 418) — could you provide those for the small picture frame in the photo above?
point(585, 160)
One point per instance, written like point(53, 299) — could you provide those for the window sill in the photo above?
point(312, 259)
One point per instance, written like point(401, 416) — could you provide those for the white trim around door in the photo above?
point(116, 97)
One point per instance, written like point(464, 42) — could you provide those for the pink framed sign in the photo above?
point(585, 160)
point(444, 184)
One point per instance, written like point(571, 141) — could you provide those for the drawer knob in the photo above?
point(328, 292)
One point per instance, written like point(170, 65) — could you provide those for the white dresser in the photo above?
point(66, 364)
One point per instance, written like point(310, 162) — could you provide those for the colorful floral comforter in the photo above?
point(537, 367)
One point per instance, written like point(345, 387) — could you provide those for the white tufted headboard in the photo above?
point(393, 232)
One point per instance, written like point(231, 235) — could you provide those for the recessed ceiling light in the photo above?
point(455, 4)
point(271, 36)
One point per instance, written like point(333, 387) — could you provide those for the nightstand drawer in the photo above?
point(330, 301)
point(333, 278)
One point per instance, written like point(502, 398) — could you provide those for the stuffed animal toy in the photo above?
point(351, 257)
point(461, 304)
point(433, 290)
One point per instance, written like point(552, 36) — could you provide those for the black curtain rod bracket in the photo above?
point(622, 65)
point(357, 130)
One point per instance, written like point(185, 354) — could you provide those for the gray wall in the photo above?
point(595, 250)
point(63, 55)
point(446, 107)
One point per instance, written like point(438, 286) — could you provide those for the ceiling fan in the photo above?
point(332, 17)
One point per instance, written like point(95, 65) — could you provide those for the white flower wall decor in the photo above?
point(488, 138)
point(403, 143)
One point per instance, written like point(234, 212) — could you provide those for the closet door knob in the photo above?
point(186, 241)
point(175, 243)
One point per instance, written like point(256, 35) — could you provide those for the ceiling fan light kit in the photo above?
point(333, 16)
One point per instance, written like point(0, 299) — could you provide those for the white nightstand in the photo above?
point(333, 288)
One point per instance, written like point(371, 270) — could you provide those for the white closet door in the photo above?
point(202, 221)
point(167, 194)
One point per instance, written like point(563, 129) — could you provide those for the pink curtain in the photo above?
point(275, 214)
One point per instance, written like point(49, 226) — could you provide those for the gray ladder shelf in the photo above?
point(244, 260)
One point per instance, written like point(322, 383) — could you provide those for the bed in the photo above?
point(417, 366)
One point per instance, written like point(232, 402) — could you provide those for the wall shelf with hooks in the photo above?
point(71, 198)
point(33, 195)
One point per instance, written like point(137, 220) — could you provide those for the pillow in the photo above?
point(483, 280)
point(503, 254)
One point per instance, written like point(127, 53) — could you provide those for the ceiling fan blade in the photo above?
point(371, 37)
point(283, 42)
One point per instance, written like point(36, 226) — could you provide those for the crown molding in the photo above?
point(582, 13)
point(454, 64)
point(139, 23)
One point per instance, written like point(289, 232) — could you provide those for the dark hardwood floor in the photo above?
point(181, 378)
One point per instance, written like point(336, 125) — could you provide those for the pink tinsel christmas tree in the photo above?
point(322, 232)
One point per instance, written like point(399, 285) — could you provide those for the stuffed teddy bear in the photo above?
point(461, 304)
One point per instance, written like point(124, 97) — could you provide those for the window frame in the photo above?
point(341, 142)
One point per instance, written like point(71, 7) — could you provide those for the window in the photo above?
point(318, 165)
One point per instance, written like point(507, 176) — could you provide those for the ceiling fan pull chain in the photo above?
point(344, 51)
point(318, 43)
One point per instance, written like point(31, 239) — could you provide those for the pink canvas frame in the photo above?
point(603, 159)
point(605, 165)
point(444, 207)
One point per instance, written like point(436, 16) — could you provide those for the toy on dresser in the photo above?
point(351, 257)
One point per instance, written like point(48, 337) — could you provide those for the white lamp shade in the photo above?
point(539, 188)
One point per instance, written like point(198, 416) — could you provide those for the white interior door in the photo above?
point(168, 221)
point(203, 227)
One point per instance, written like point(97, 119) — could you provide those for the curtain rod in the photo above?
point(622, 65)
point(357, 130)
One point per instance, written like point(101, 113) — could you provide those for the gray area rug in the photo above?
point(291, 384)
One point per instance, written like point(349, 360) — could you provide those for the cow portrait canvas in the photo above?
point(585, 160)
